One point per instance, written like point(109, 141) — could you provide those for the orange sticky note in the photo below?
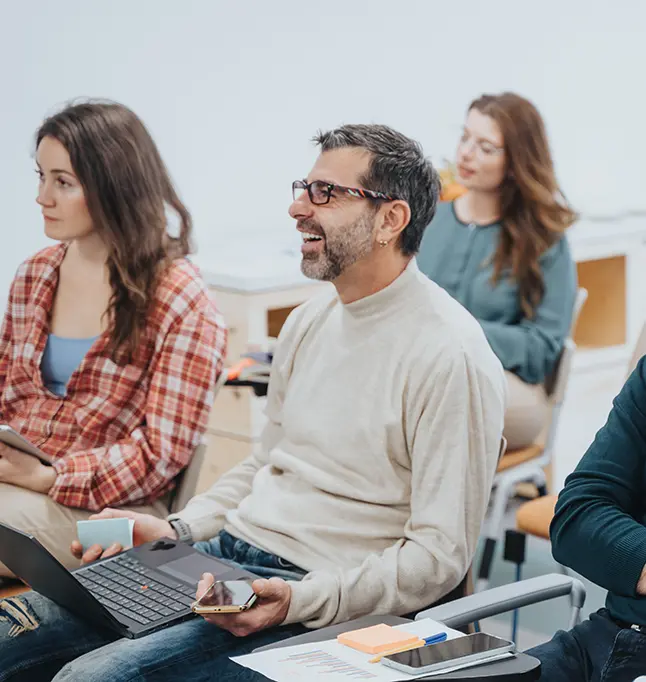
point(375, 639)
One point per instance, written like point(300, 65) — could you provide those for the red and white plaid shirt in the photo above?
point(123, 431)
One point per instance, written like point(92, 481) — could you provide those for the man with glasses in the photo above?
point(385, 414)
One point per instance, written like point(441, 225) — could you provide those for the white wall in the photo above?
point(232, 92)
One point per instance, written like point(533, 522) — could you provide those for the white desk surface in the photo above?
point(271, 262)
point(592, 228)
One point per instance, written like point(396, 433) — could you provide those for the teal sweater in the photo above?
point(599, 528)
point(458, 258)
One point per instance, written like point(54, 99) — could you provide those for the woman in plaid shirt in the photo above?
point(110, 346)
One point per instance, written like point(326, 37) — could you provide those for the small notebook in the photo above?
point(105, 532)
point(375, 639)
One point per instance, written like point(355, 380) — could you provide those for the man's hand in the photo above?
point(25, 471)
point(146, 529)
point(271, 607)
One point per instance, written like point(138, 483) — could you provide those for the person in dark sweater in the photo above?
point(599, 530)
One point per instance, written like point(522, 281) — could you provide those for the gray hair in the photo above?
point(398, 167)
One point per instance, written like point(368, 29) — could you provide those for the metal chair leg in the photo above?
point(501, 495)
point(485, 564)
point(514, 552)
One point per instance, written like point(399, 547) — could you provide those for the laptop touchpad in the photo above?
point(190, 568)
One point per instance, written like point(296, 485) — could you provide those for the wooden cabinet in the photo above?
point(611, 265)
point(603, 321)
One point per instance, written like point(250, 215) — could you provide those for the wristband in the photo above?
point(183, 530)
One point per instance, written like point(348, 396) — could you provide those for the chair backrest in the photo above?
point(221, 380)
point(562, 373)
point(557, 381)
point(581, 298)
point(186, 481)
point(186, 486)
point(638, 352)
point(503, 448)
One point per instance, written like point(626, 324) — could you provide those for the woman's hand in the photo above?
point(146, 529)
point(25, 471)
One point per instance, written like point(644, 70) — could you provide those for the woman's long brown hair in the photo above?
point(128, 191)
point(534, 212)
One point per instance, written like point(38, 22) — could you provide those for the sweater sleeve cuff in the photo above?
point(55, 491)
point(627, 561)
point(314, 601)
point(68, 479)
point(203, 526)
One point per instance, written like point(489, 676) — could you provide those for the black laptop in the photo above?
point(134, 593)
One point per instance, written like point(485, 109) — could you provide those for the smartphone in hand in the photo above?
point(226, 596)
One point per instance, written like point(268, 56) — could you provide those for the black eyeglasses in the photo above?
point(320, 192)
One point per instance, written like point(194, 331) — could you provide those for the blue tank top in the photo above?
point(61, 358)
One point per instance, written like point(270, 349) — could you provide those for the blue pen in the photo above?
point(435, 639)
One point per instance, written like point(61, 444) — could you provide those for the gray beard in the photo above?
point(349, 246)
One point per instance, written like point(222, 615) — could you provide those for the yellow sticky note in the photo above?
point(377, 638)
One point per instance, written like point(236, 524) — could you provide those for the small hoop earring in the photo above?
point(383, 242)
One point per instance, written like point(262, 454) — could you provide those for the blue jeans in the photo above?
point(597, 650)
point(63, 647)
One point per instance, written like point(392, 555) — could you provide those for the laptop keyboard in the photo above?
point(126, 586)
